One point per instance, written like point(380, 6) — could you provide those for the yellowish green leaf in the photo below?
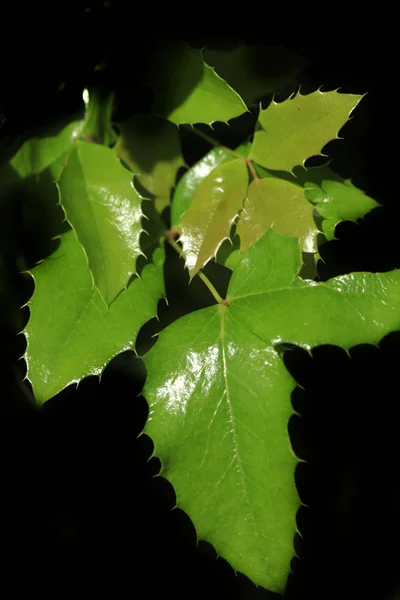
point(214, 207)
point(290, 132)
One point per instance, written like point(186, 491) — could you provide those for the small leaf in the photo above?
point(338, 201)
point(193, 177)
point(71, 333)
point(219, 397)
point(104, 208)
point(292, 131)
point(191, 180)
point(281, 205)
point(189, 91)
point(254, 71)
point(214, 207)
point(150, 147)
point(37, 154)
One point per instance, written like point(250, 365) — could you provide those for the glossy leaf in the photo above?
point(71, 333)
point(337, 200)
point(104, 208)
point(191, 180)
point(187, 90)
point(254, 71)
point(150, 147)
point(292, 131)
point(214, 207)
point(219, 397)
point(193, 177)
point(279, 204)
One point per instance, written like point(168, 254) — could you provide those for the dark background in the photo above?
point(81, 508)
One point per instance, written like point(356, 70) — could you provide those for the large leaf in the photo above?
point(254, 71)
point(280, 204)
point(214, 207)
point(187, 90)
point(104, 208)
point(292, 131)
point(150, 147)
point(71, 333)
point(219, 397)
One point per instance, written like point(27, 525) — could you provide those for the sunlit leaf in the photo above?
point(219, 397)
point(292, 131)
point(214, 207)
point(104, 208)
point(193, 177)
point(337, 200)
point(279, 204)
point(71, 333)
point(187, 90)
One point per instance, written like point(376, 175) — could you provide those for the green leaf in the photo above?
point(214, 207)
point(193, 177)
point(189, 91)
point(254, 71)
point(279, 204)
point(71, 333)
point(191, 180)
point(292, 131)
point(37, 154)
point(219, 397)
point(150, 147)
point(104, 208)
point(337, 200)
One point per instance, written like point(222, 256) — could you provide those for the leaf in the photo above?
point(219, 397)
point(188, 91)
point(292, 131)
point(338, 200)
point(193, 177)
point(104, 208)
point(191, 180)
point(37, 154)
point(280, 204)
point(254, 71)
point(150, 147)
point(71, 333)
point(214, 207)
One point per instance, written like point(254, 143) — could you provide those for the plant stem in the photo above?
point(252, 169)
point(213, 142)
point(97, 124)
point(202, 276)
point(216, 144)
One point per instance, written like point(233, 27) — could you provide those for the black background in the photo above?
point(81, 508)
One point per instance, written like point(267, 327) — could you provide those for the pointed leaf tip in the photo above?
point(189, 91)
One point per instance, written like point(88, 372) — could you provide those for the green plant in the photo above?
point(218, 391)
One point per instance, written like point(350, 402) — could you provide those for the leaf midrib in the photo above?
point(233, 422)
point(98, 237)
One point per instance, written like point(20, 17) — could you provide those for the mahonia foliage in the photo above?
point(217, 388)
